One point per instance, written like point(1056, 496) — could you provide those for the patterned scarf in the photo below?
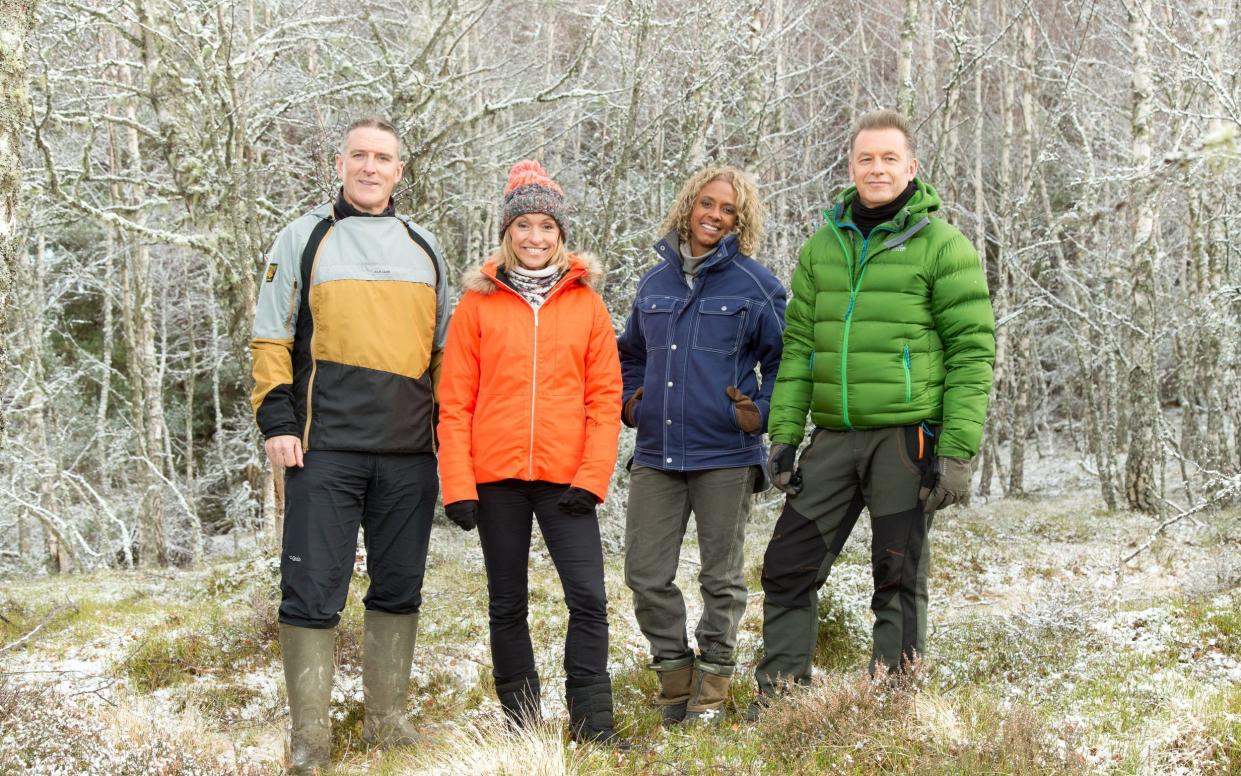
point(534, 284)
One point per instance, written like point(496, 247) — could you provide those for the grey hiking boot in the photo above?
point(674, 687)
point(307, 654)
point(387, 652)
point(708, 693)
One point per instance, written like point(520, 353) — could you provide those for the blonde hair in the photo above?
point(749, 207)
point(506, 257)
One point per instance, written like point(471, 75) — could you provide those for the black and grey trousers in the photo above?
point(844, 471)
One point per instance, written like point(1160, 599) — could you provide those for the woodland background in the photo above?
point(1085, 609)
point(151, 149)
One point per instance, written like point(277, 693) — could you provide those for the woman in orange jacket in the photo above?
point(529, 417)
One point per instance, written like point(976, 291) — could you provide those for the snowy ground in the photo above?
point(1111, 667)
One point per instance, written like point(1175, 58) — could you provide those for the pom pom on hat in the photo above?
point(529, 172)
point(531, 190)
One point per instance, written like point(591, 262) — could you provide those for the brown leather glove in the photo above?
point(627, 411)
point(748, 417)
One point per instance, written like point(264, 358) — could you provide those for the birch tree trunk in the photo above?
point(1143, 396)
point(905, 60)
point(16, 21)
point(146, 394)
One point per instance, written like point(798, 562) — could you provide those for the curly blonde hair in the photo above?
point(749, 207)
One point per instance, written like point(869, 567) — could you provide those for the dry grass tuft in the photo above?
point(857, 725)
point(492, 750)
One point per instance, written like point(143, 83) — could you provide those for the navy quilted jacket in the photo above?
point(685, 346)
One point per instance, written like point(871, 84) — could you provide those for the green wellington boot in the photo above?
point(387, 652)
point(674, 686)
point(308, 666)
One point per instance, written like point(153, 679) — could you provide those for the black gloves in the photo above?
point(578, 502)
point(463, 513)
point(782, 468)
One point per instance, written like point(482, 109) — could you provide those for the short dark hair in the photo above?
point(883, 119)
point(370, 122)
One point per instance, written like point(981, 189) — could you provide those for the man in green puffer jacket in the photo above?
point(889, 344)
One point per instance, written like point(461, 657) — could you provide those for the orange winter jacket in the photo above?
point(526, 394)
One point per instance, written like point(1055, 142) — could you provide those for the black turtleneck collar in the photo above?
point(345, 210)
point(867, 218)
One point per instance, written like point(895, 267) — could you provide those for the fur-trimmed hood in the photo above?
point(585, 268)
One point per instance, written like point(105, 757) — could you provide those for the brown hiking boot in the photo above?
point(708, 693)
point(674, 686)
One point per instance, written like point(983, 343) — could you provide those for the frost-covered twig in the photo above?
point(1231, 488)
point(51, 616)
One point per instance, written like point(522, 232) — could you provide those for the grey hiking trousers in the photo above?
point(660, 503)
point(842, 471)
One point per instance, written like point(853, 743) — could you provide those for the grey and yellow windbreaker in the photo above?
point(349, 332)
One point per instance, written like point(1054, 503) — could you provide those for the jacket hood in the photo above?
point(585, 268)
point(923, 202)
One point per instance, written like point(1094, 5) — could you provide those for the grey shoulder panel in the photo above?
point(373, 249)
point(275, 316)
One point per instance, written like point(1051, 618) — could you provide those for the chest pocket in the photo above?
point(721, 320)
point(657, 317)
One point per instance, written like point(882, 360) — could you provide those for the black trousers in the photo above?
point(391, 497)
point(506, 511)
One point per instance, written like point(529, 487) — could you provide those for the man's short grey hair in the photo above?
point(883, 119)
point(370, 122)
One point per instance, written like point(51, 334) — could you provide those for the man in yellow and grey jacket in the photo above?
point(348, 334)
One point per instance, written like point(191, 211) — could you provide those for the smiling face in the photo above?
point(534, 237)
point(713, 215)
point(369, 166)
point(881, 165)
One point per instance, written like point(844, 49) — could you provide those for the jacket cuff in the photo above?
point(276, 431)
point(764, 412)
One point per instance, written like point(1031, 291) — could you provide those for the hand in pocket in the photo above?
point(746, 411)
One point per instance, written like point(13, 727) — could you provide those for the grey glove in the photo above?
point(952, 485)
point(782, 469)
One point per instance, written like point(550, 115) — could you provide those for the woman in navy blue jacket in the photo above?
point(701, 322)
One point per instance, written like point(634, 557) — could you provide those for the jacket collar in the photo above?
point(342, 209)
point(918, 208)
point(584, 268)
point(669, 248)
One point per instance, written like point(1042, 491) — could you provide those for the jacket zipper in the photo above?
point(854, 288)
point(905, 363)
point(534, 386)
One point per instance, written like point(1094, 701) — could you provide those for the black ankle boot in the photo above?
point(520, 701)
point(590, 713)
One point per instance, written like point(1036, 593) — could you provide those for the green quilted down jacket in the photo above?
point(892, 330)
